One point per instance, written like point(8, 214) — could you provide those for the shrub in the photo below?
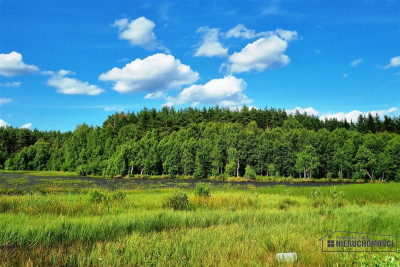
point(118, 195)
point(317, 198)
point(83, 170)
point(397, 177)
point(357, 175)
point(177, 201)
point(202, 190)
point(379, 260)
point(250, 173)
point(337, 198)
point(96, 196)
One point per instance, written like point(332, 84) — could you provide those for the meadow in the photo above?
point(214, 226)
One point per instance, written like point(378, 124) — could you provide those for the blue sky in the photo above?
point(63, 63)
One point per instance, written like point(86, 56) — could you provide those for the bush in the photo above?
point(337, 198)
point(357, 176)
point(379, 260)
point(118, 195)
point(397, 177)
point(202, 190)
point(177, 201)
point(96, 196)
point(250, 173)
point(83, 170)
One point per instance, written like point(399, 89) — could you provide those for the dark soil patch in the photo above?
point(22, 181)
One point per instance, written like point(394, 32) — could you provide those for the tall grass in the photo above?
point(229, 228)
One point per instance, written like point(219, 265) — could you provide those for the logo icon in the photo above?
point(341, 241)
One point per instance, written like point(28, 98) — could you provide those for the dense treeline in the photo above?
point(213, 142)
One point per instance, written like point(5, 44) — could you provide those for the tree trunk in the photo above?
point(132, 169)
point(237, 170)
point(141, 171)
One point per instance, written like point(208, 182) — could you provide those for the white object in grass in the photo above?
point(287, 257)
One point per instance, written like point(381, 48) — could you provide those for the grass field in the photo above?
point(234, 226)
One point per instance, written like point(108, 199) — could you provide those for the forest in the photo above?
point(213, 141)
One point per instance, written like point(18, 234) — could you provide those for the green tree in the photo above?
point(249, 173)
point(366, 161)
point(307, 161)
point(343, 157)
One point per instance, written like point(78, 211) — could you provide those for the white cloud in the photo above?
point(158, 72)
point(10, 84)
point(12, 65)
point(345, 75)
point(27, 125)
point(309, 111)
point(353, 115)
point(3, 123)
point(113, 109)
point(227, 91)
point(394, 62)
point(71, 86)
point(287, 35)
point(139, 32)
point(155, 95)
point(266, 52)
point(210, 45)
point(356, 62)
point(240, 31)
point(5, 101)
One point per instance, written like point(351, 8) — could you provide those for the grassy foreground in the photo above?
point(232, 227)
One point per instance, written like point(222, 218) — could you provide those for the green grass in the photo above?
point(232, 227)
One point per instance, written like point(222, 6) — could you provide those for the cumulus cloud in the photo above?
point(138, 32)
point(5, 101)
point(309, 111)
point(356, 62)
point(353, 115)
point(394, 62)
point(266, 52)
point(27, 125)
point(227, 91)
point(10, 84)
point(3, 123)
point(155, 73)
point(210, 46)
point(12, 65)
point(287, 35)
point(71, 86)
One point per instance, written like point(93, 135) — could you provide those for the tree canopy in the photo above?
point(212, 142)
